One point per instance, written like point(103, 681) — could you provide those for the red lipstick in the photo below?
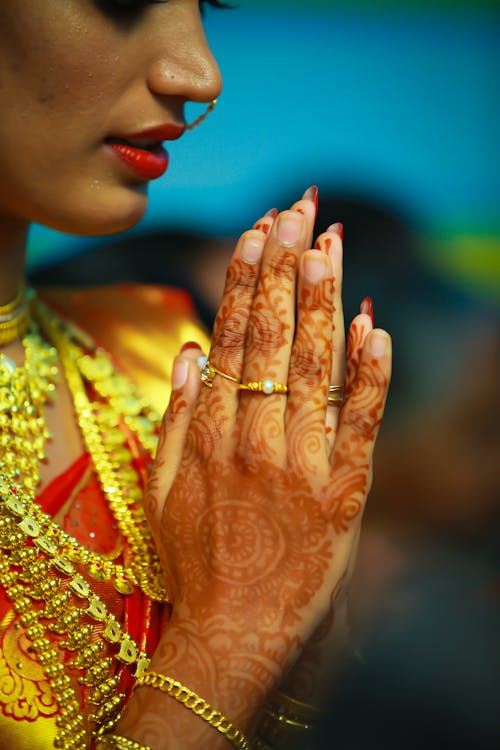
point(147, 163)
point(170, 131)
point(142, 151)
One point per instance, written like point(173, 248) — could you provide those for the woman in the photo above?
point(256, 492)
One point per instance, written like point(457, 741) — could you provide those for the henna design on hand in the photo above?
point(270, 325)
point(355, 339)
point(230, 326)
point(259, 521)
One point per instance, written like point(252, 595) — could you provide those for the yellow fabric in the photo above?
point(143, 327)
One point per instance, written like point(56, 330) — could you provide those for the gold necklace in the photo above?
point(51, 601)
point(31, 546)
point(117, 483)
point(24, 392)
point(14, 318)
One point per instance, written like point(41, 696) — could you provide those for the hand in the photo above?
point(256, 499)
point(329, 651)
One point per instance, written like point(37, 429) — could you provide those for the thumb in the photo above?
point(174, 427)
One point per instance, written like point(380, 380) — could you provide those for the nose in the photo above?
point(184, 65)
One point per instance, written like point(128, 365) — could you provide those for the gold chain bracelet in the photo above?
point(117, 742)
point(198, 705)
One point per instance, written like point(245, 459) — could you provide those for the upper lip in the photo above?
point(169, 131)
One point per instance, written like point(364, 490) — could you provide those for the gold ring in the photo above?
point(335, 395)
point(265, 386)
point(209, 371)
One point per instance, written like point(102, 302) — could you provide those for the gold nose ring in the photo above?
point(203, 116)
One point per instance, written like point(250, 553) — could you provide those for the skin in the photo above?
point(255, 501)
point(121, 74)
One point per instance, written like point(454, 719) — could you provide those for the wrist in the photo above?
point(222, 667)
point(234, 671)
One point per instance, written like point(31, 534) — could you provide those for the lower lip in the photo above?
point(147, 164)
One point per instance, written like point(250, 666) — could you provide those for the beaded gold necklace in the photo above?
point(32, 546)
point(24, 391)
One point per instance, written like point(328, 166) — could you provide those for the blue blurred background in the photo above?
point(393, 101)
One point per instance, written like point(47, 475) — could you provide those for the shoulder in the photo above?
point(142, 326)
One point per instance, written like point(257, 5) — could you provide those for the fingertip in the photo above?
point(330, 243)
point(189, 345)
point(180, 371)
point(338, 228)
point(362, 322)
point(379, 343)
point(366, 307)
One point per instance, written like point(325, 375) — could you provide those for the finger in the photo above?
point(360, 419)
point(308, 207)
point(358, 331)
point(229, 333)
point(331, 244)
point(271, 327)
point(266, 222)
point(310, 365)
point(185, 388)
point(269, 339)
point(228, 338)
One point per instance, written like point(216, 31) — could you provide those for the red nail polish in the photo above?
point(366, 308)
point(337, 227)
point(314, 191)
point(273, 212)
point(189, 345)
point(311, 194)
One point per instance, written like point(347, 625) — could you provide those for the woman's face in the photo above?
point(78, 78)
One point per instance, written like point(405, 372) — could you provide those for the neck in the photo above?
point(12, 259)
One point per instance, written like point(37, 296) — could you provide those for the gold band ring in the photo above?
point(266, 386)
point(335, 395)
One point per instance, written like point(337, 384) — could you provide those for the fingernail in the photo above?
point(189, 345)
point(252, 249)
point(378, 343)
point(337, 227)
point(366, 308)
point(314, 266)
point(311, 194)
point(179, 373)
point(290, 228)
point(273, 212)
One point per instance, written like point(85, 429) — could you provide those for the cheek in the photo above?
point(57, 68)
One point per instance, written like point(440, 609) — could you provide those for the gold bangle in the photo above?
point(117, 742)
point(289, 724)
point(295, 709)
point(198, 705)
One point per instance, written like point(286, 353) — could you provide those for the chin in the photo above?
point(102, 212)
